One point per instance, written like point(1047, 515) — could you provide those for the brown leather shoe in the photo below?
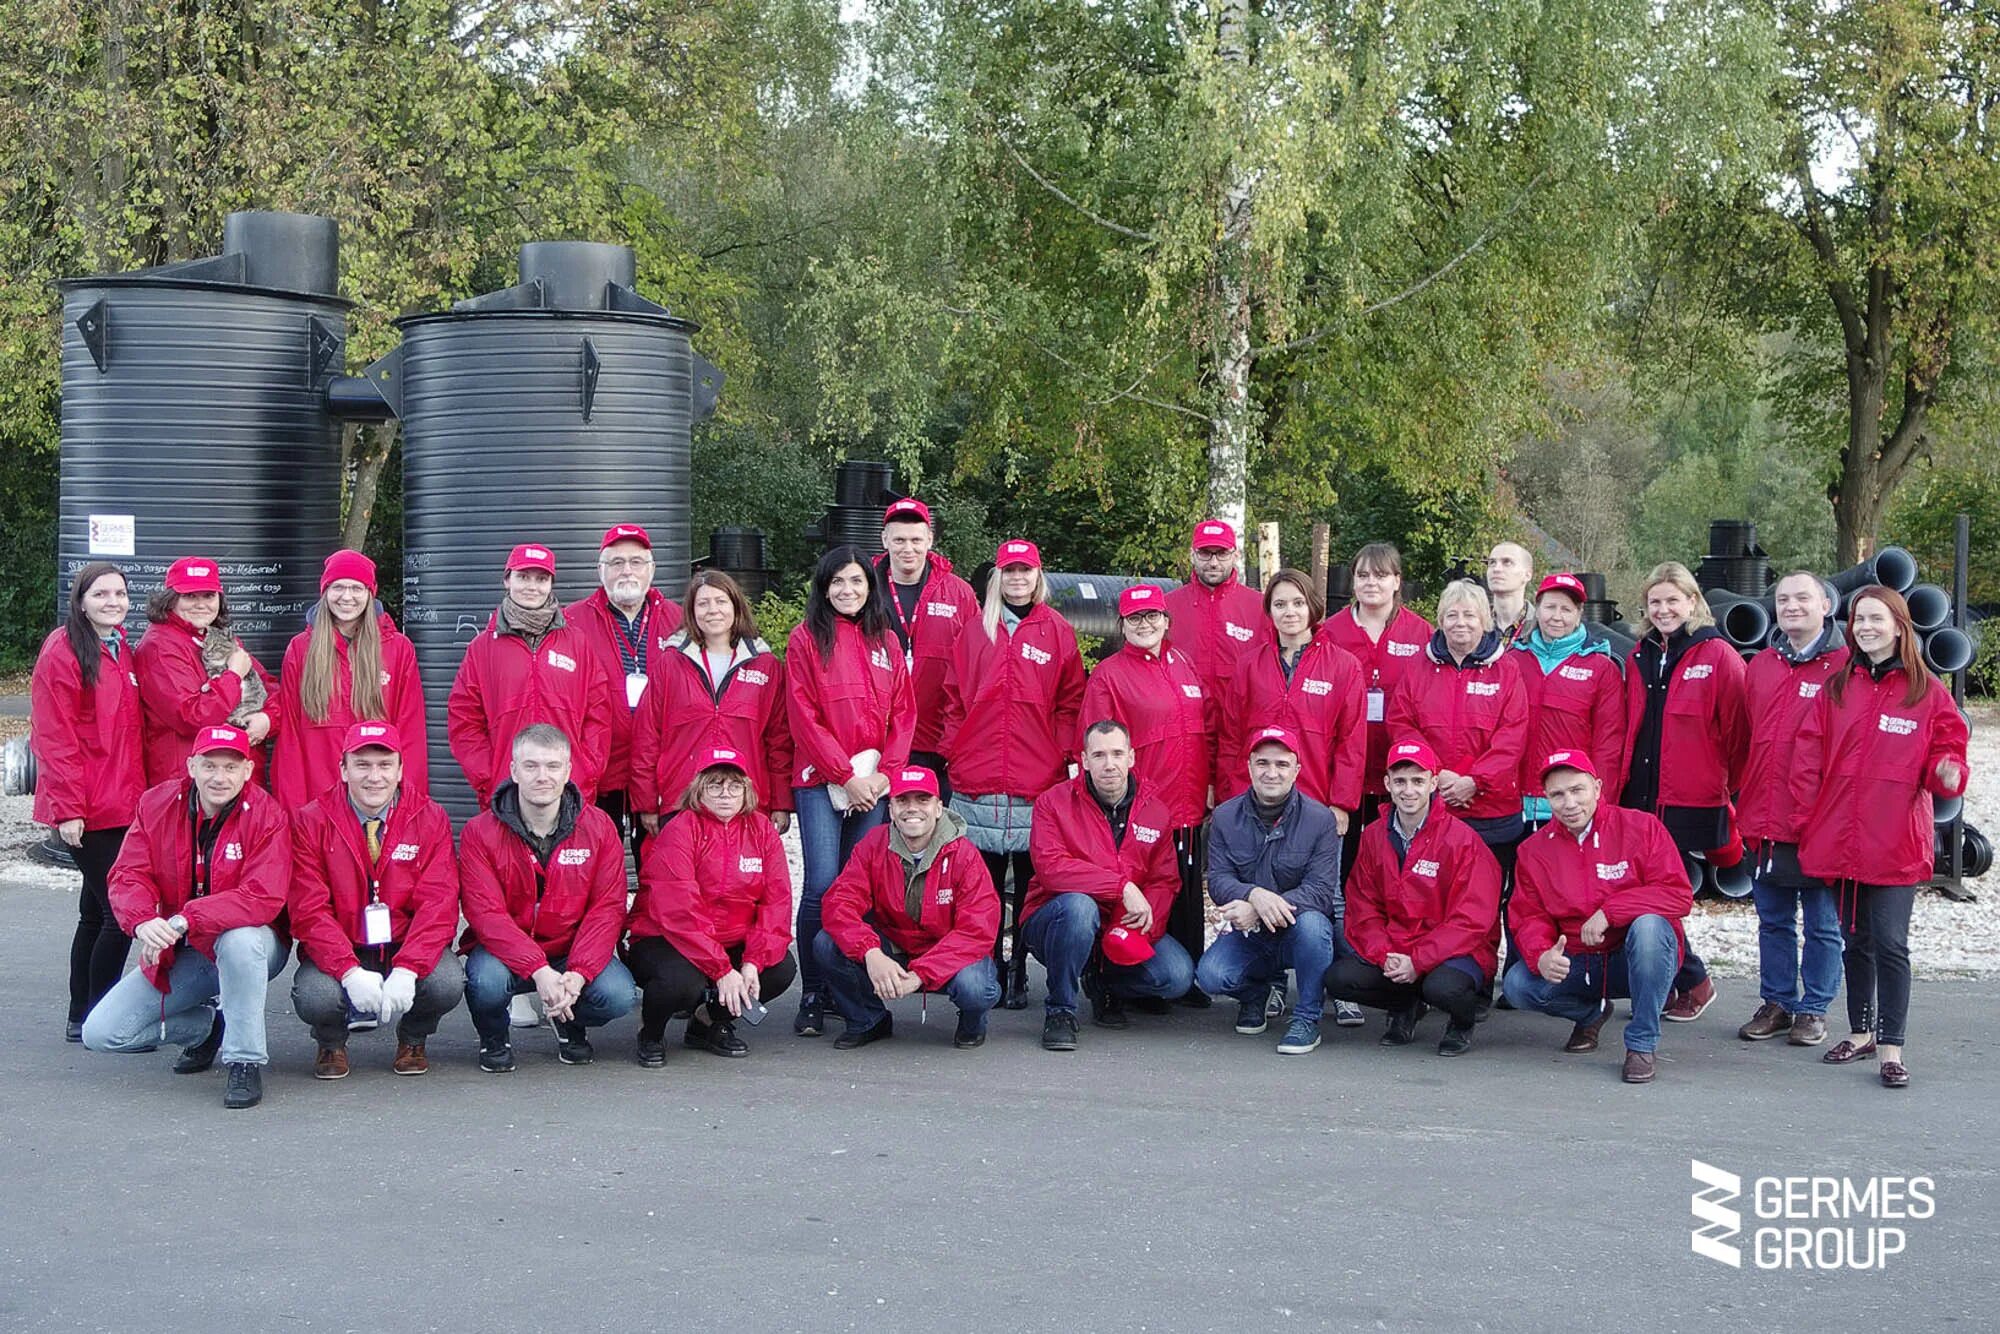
point(1808, 1030)
point(1845, 1051)
point(331, 1063)
point(1583, 1037)
point(1894, 1076)
point(410, 1059)
point(1769, 1021)
point(1638, 1067)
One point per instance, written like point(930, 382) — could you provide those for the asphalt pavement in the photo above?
point(1173, 1176)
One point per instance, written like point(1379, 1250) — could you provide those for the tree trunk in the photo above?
point(1229, 426)
point(371, 454)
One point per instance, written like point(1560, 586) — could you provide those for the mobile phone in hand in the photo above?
point(754, 1012)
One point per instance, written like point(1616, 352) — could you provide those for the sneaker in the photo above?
point(651, 1053)
point(1059, 1031)
point(331, 1063)
point(1250, 1019)
point(245, 1087)
point(1276, 1004)
point(1638, 1067)
point(718, 1038)
point(201, 1055)
point(1456, 1040)
point(885, 1027)
point(525, 1011)
point(971, 1031)
point(1346, 1014)
point(410, 1059)
point(73, 1031)
point(811, 1020)
point(1686, 1007)
point(496, 1056)
point(1808, 1030)
point(1402, 1030)
point(572, 1046)
point(1583, 1037)
point(1301, 1037)
point(1769, 1021)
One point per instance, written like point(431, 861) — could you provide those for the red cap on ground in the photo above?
point(194, 574)
point(530, 556)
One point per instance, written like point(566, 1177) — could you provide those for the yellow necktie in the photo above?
point(373, 829)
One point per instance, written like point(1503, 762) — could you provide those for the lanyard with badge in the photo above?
point(909, 622)
point(634, 656)
point(375, 924)
point(1376, 712)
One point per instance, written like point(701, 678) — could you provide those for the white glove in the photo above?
point(399, 993)
point(364, 990)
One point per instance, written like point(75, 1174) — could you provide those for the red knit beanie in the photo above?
point(346, 564)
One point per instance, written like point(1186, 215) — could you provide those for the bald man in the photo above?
point(1509, 570)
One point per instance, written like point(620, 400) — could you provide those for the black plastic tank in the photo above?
point(194, 421)
point(546, 412)
point(1089, 602)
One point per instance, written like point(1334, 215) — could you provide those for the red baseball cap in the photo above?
point(1563, 582)
point(723, 757)
point(1018, 551)
point(381, 736)
point(1125, 947)
point(1568, 759)
point(1141, 597)
point(1414, 751)
point(907, 510)
point(194, 574)
point(222, 737)
point(625, 532)
point(345, 564)
point(529, 556)
point(1282, 736)
point(1212, 533)
point(912, 778)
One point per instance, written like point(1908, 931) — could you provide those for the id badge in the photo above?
point(635, 686)
point(375, 924)
point(1375, 711)
point(909, 659)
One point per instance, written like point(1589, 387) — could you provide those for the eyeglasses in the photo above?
point(625, 562)
point(1148, 618)
point(732, 787)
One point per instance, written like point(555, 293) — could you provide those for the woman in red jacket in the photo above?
point(1304, 681)
point(192, 671)
point(1011, 695)
point(349, 665)
point(1387, 639)
point(712, 926)
point(720, 685)
point(1576, 690)
point(1154, 690)
point(848, 698)
point(1687, 735)
point(84, 717)
point(1884, 739)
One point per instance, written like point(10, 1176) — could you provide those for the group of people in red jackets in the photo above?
point(1374, 805)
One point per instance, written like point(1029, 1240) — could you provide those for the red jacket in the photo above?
point(1440, 903)
point(1476, 718)
point(1626, 864)
point(681, 718)
point(1069, 842)
point(1865, 771)
point(1010, 706)
point(1779, 696)
point(1324, 702)
point(154, 875)
point(333, 881)
point(580, 913)
point(89, 763)
point(502, 687)
point(946, 606)
point(305, 760)
point(856, 699)
point(601, 630)
point(1705, 735)
point(957, 922)
point(1578, 706)
point(1172, 718)
point(711, 886)
point(1214, 626)
point(179, 698)
point(1384, 663)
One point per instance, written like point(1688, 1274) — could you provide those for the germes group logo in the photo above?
point(1807, 1222)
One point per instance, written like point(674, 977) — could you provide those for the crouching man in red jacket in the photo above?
point(1422, 901)
point(374, 903)
point(205, 863)
point(1599, 895)
point(915, 910)
point(542, 880)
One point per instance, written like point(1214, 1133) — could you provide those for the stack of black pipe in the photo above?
point(861, 491)
point(740, 554)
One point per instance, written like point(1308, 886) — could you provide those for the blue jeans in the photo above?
point(975, 990)
point(1064, 931)
point(490, 984)
point(1643, 970)
point(134, 1017)
point(1244, 966)
point(1780, 978)
point(826, 839)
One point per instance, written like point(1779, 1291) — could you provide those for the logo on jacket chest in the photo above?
point(1425, 868)
point(1040, 657)
point(1192, 692)
point(750, 865)
point(572, 856)
point(879, 657)
point(1810, 689)
point(1895, 726)
point(1569, 673)
point(404, 852)
point(943, 899)
point(1240, 633)
point(940, 609)
point(1402, 650)
point(1483, 689)
point(1701, 671)
point(562, 660)
point(751, 677)
point(1312, 687)
point(1144, 835)
point(1613, 870)
point(232, 852)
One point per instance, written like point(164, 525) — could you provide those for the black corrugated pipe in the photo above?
point(1891, 567)
point(1743, 621)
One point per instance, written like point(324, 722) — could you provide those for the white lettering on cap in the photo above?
point(535, 553)
point(200, 571)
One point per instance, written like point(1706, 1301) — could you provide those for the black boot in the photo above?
point(201, 1055)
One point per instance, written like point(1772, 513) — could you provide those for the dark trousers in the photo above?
point(672, 985)
point(97, 951)
point(1506, 851)
point(619, 808)
point(1011, 896)
point(1371, 810)
point(935, 762)
point(1187, 920)
point(1875, 924)
point(1454, 986)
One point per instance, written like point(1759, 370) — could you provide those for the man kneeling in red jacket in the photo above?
point(1599, 895)
point(913, 911)
point(204, 863)
point(1422, 902)
point(374, 903)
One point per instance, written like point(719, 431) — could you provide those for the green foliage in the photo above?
point(778, 614)
point(1924, 521)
